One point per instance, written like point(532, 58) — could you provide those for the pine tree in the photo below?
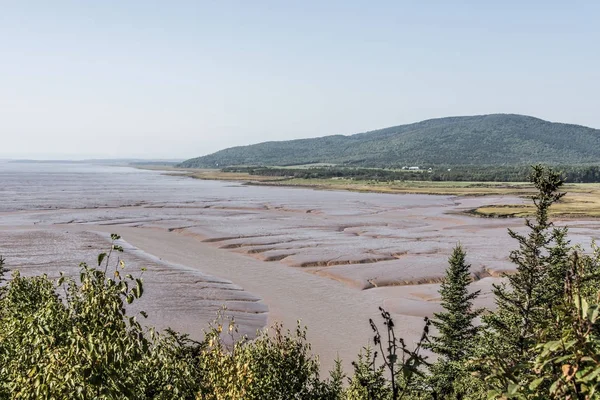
point(529, 299)
point(524, 302)
point(455, 323)
point(449, 376)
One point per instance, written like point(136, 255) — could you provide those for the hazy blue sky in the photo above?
point(178, 79)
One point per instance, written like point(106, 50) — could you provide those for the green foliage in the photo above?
point(82, 344)
point(457, 333)
point(453, 380)
point(525, 301)
point(368, 381)
point(334, 387)
point(276, 365)
point(497, 139)
point(567, 365)
point(570, 364)
point(455, 324)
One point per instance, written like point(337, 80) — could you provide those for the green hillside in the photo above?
point(496, 139)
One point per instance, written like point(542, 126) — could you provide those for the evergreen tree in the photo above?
point(524, 301)
point(456, 331)
point(527, 302)
point(455, 323)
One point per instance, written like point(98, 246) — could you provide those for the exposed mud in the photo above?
point(329, 258)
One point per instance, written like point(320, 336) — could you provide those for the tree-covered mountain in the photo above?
point(496, 139)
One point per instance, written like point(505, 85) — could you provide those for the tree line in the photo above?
point(571, 173)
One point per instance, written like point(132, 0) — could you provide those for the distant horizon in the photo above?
point(83, 159)
point(100, 157)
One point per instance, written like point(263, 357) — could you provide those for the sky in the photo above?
point(180, 79)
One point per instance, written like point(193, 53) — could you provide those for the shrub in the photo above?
point(81, 343)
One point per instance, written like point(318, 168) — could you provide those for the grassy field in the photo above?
point(415, 187)
point(576, 204)
point(582, 199)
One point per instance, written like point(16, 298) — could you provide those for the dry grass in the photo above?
point(414, 187)
point(577, 204)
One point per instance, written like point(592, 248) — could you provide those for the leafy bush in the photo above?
point(276, 365)
point(75, 340)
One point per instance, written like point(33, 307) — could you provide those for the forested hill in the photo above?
point(496, 139)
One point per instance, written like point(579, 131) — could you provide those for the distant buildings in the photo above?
point(416, 169)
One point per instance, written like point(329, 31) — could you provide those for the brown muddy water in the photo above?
point(327, 258)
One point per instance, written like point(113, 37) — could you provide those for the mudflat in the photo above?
point(327, 258)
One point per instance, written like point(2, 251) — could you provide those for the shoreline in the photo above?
point(582, 200)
